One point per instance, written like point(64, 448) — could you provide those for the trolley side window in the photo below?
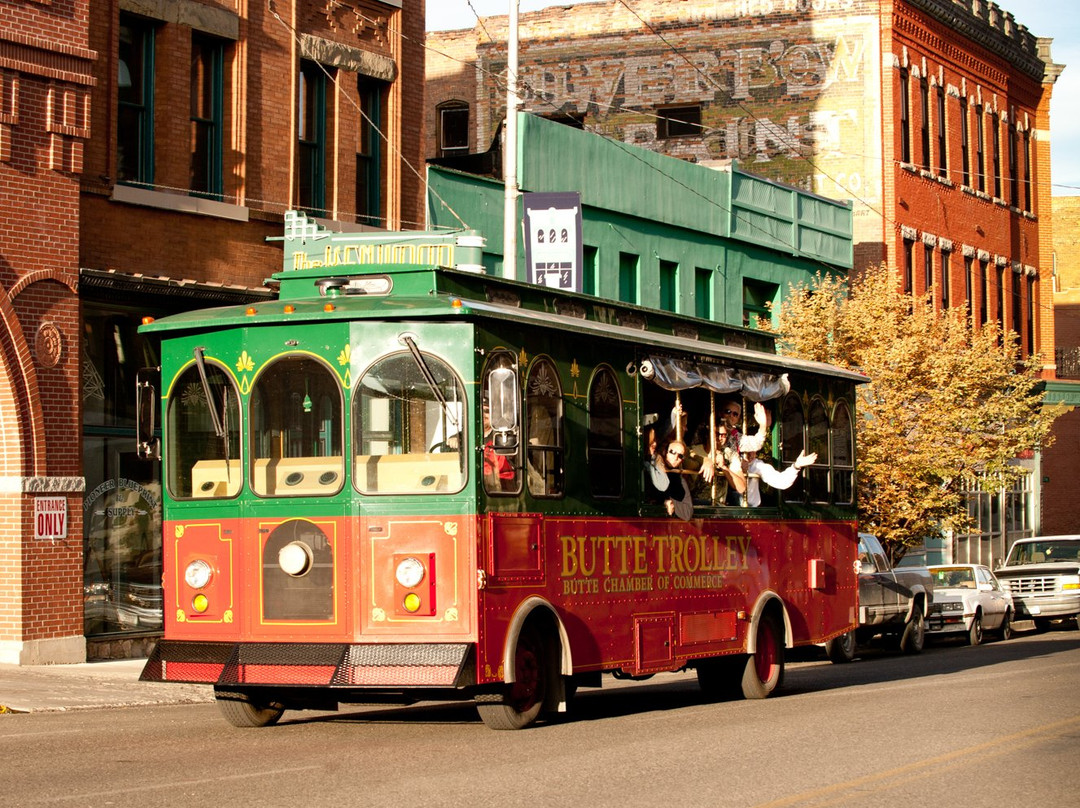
point(408, 423)
point(842, 447)
point(502, 448)
point(793, 437)
point(605, 445)
point(544, 430)
point(817, 476)
point(202, 431)
point(296, 430)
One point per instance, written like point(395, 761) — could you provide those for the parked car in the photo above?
point(1043, 575)
point(969, 600)
point(892, 602)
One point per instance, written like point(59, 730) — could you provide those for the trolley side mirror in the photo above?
point(503, 409)
point(147, 443)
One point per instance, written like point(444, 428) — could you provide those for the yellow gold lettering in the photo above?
point(569, 558)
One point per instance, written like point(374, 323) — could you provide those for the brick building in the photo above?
point(931, 116)
point(147, 149)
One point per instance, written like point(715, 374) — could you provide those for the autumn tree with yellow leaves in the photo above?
point(945, 405)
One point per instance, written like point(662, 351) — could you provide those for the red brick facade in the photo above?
point(64, 214)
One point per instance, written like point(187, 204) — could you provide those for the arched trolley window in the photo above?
point(544, 430)
point(409, 426)
point(296, 429)
point(605, 442)
point(202, 431)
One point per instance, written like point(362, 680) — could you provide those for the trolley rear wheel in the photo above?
point(764, 669)
point(242, 710)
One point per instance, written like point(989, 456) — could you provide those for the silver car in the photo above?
point(969, 600)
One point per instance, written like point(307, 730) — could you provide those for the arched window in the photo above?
point(544, 430)
point(502, 453)
point(605, 443)
point(296, 429)
point(793, 439)
point(843, 455)
point(200, 463)
point(409, 427)
point(817, 475)
point(453, 128)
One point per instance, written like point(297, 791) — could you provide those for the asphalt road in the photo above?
point(997, 725)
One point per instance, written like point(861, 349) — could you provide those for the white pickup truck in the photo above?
point(892, 602)
point(1043, 574)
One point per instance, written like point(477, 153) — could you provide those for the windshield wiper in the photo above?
point(219, 430)
point(429, 377)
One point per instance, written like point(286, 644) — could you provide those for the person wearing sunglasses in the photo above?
point(665, 482)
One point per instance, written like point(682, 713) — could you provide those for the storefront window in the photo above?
point(122, 504)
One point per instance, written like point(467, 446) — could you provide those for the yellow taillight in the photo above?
point(412, 602)
point(200, 603)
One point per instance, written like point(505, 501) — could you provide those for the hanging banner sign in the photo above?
point(553, 251)
point(50, 518)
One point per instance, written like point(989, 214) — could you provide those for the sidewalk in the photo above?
point(53, 688)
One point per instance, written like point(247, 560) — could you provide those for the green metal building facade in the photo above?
point(657, 231)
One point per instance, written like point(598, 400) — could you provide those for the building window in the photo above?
point(311, 137)
point(946, 268)
point(757, 297)
point(453, 128)
point(589, 268)
point(135, 101)
point(1016, 305)
point(703, 293)
point(980, 147)
point(1001, 299)
point(544, 432)
point(965, 156)
point(928, 270)
point(969, 268)
point(1031, 314)
point(207, 114)
point(942, 155)
point(369, 152)
point(995, 138)
point(924, 122)
point(905, 118)
point(678, 121)
point(1027, 171)
point(984, 315)
point(909, 266)
point(669, 286)
point(1014, 168)
point(605, 442)
point(628, 277)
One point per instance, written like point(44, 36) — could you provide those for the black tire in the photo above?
point(975, 633)
point(520, 704)
point(913, 640)
point(241, 710)
point(721, 679)
point(841, 649)
point(763, 672)
point(1006, 631)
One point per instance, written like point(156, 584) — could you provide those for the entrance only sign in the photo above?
point(50, 518)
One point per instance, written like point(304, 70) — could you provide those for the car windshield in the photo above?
point(954, 577)
point(1044, 552)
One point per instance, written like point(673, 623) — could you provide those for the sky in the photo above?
point(1058, 19)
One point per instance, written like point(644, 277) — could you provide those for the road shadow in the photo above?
point(809, 672)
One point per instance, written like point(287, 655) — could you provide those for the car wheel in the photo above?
point(914, 637)
point(1006, 625)
point(841, 649)
point(975, 633)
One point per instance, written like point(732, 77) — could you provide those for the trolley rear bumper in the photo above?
point(310, 664)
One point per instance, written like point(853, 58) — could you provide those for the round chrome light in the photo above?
point(198, 574)
point(295, 558)
point(410, 572)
